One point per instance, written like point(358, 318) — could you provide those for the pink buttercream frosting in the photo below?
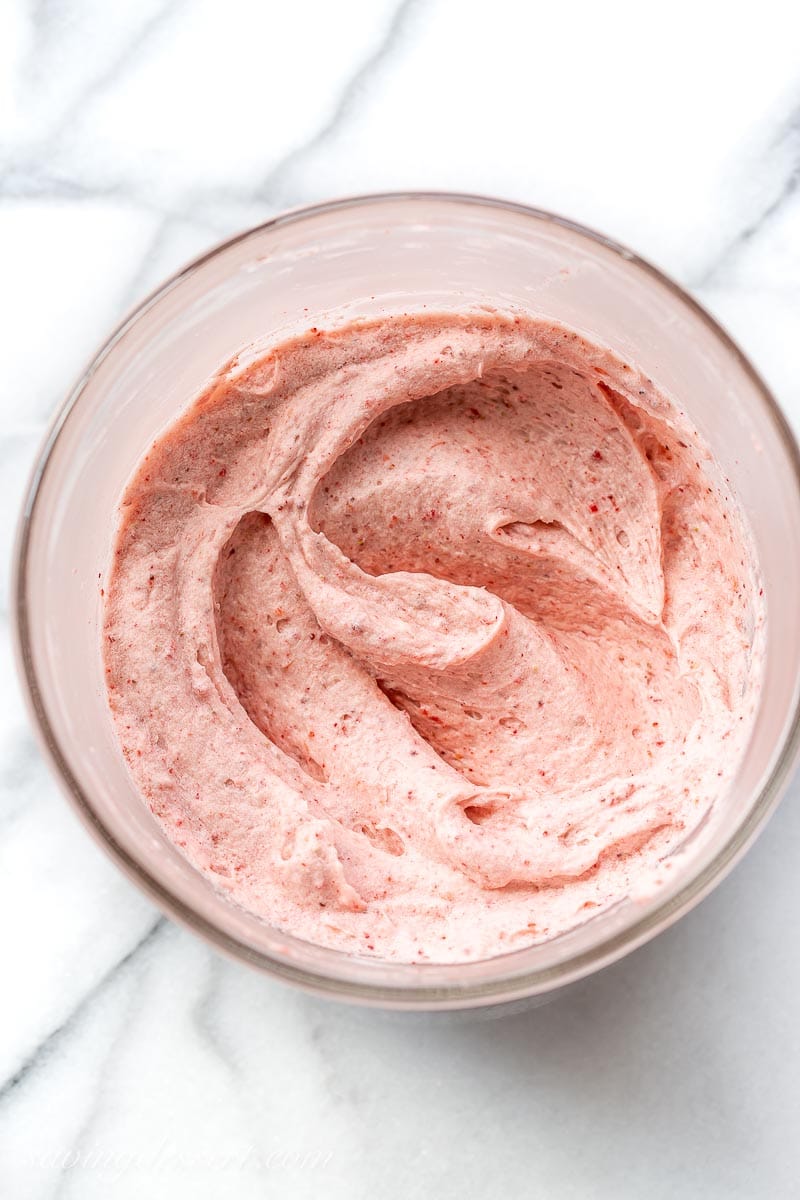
point(430, 638)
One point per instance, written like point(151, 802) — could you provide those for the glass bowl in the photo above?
point(364, 257)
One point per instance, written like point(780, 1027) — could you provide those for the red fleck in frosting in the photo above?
point(429, 638)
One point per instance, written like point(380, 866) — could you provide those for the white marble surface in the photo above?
point(133, 1060)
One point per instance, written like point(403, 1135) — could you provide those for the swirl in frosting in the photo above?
point(430, 638)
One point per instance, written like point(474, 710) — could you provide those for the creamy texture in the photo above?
point(431, 638)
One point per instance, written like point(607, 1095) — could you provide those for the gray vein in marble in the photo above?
point(111, 71)
point(44, 14)
point(25, 178)
point(29, 182)
point(135, 287)
point(337, 1084)
point(41, 1052)
point(203, 1017)
point(787, 143)
point(82, 1140)
point(275, 187)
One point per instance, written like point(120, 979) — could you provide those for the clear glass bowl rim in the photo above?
point(508, 984)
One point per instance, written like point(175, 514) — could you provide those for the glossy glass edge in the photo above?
point(506, 986)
